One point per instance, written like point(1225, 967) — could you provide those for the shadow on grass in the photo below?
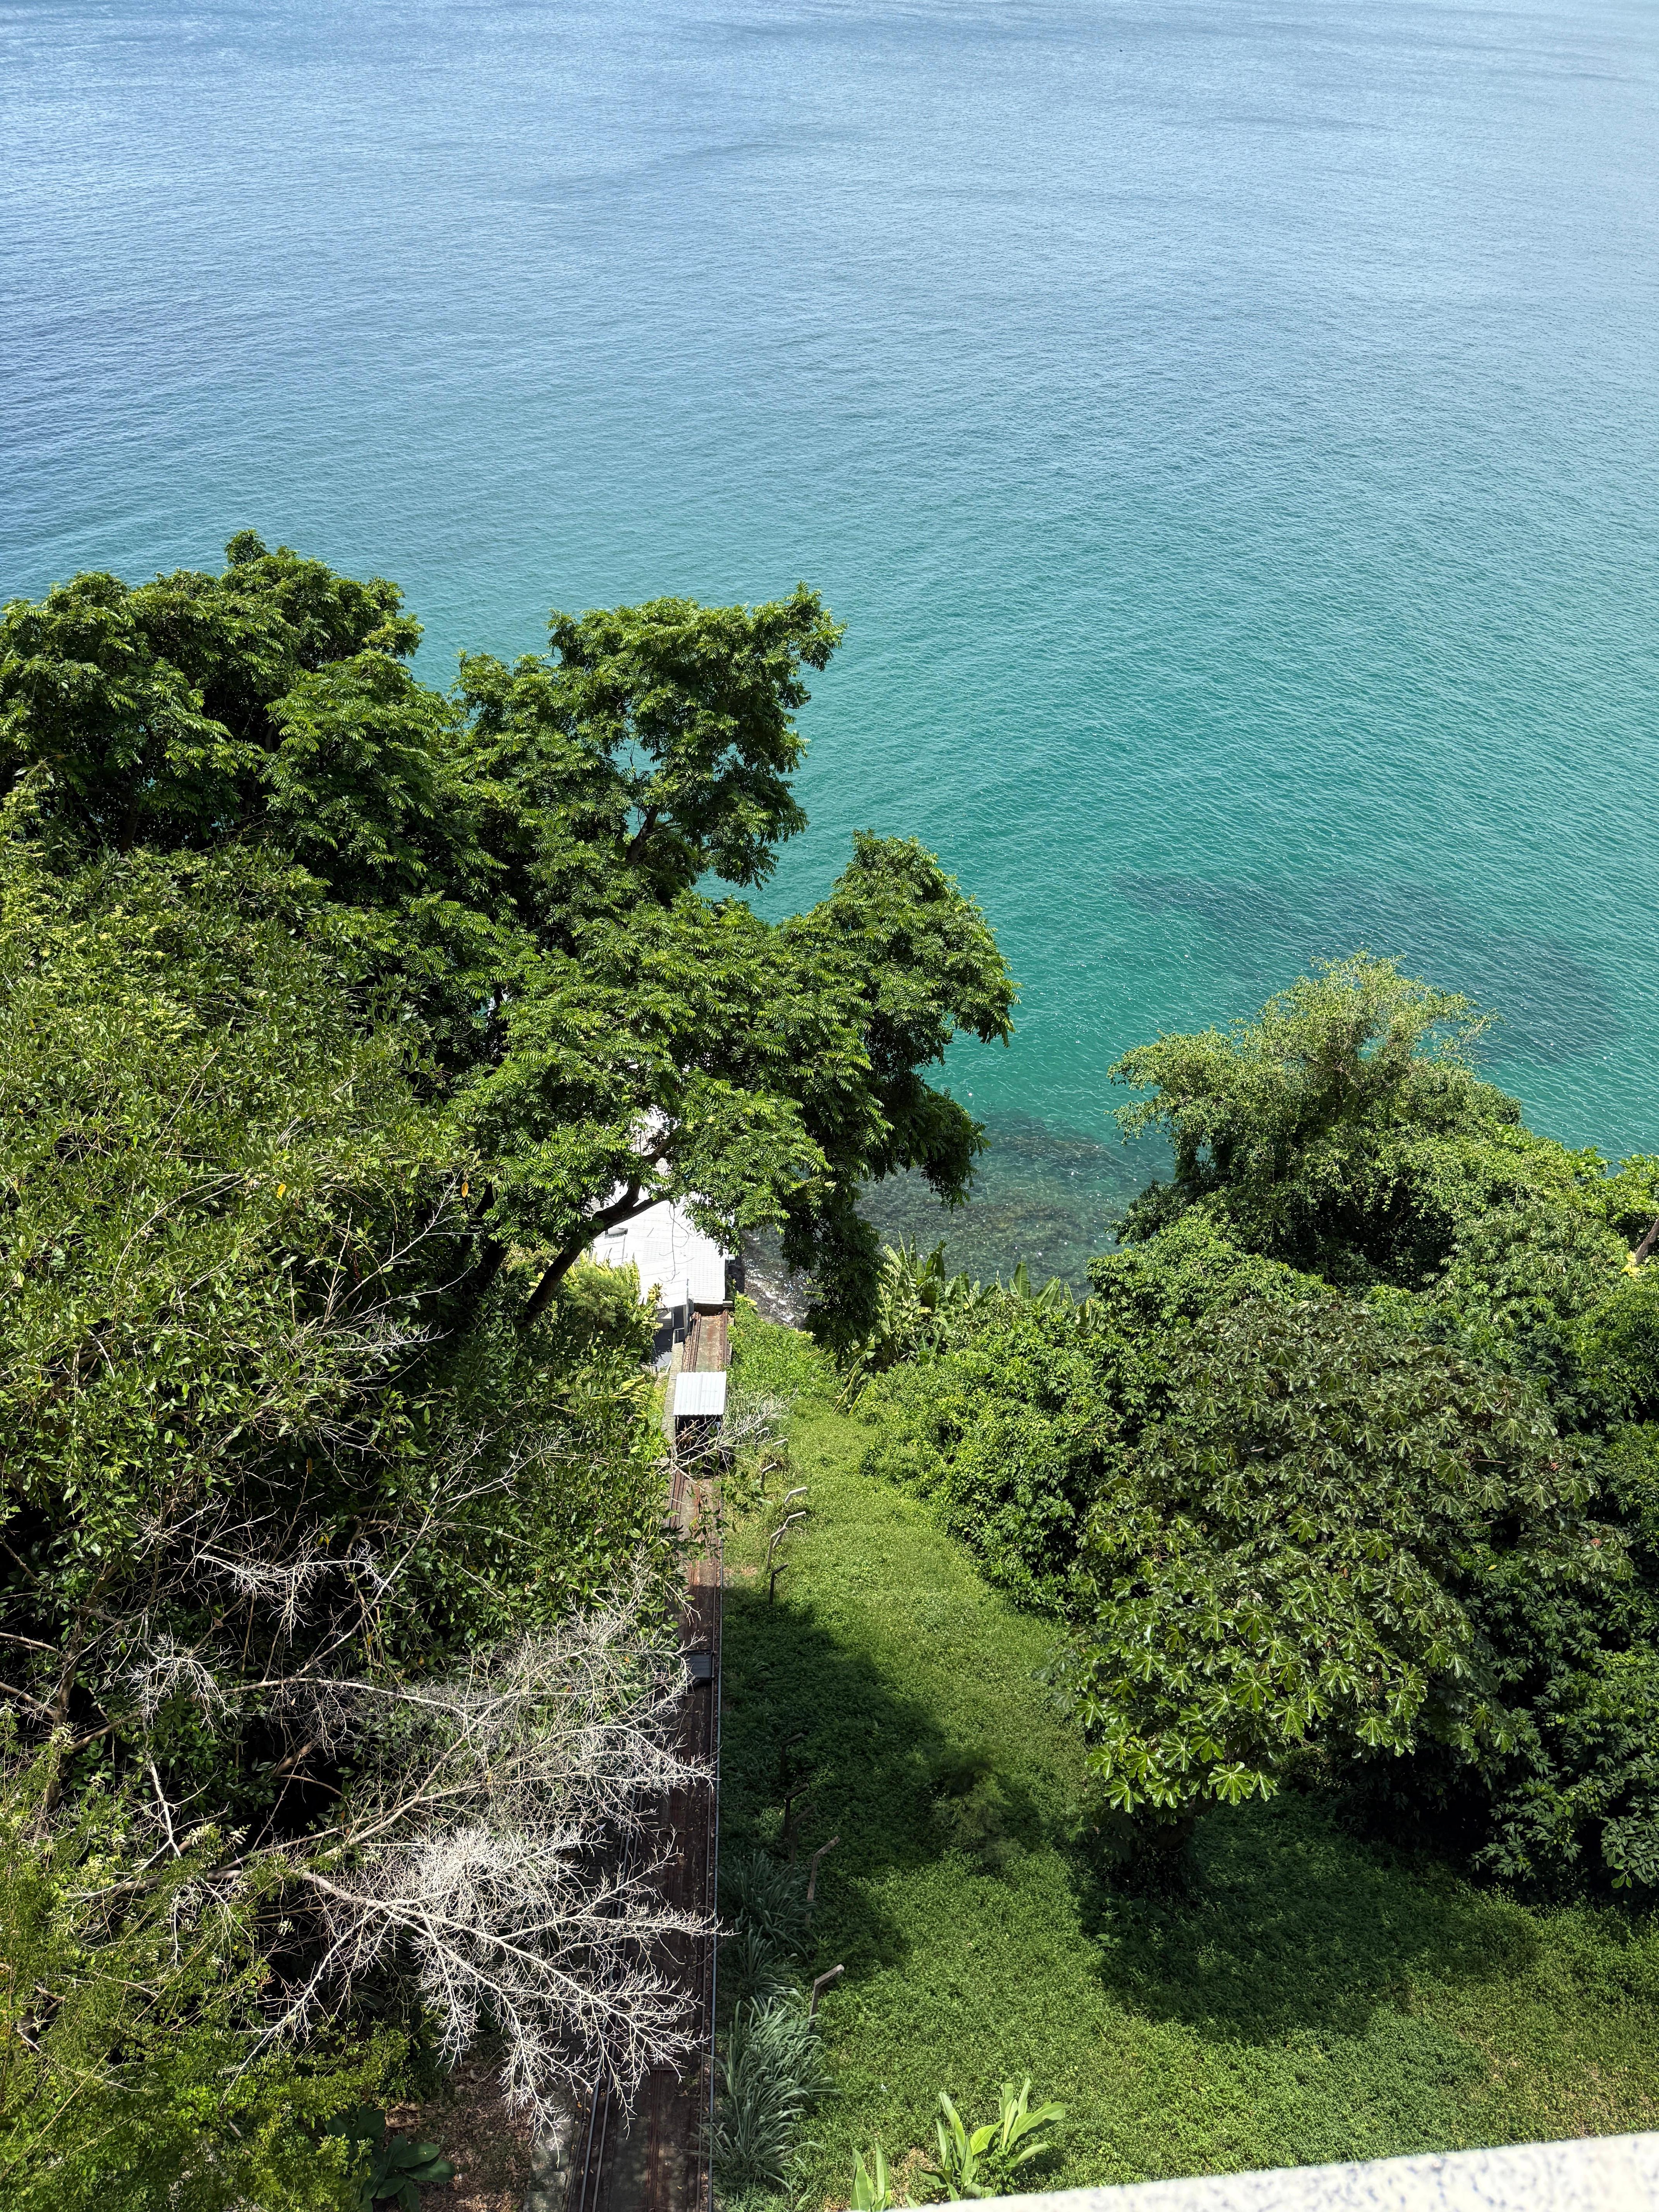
point(1293, 1925)
point(805, 1715)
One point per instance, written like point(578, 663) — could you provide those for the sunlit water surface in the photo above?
point(1230, 431)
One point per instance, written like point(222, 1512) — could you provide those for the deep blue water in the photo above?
point(1229, 429)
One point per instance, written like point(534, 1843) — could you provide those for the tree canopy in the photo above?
point(1286, 1556)
point(338, 1014)
point(1345, 1130)
point(517, 865)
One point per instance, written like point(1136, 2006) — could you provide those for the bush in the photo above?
point(1157, 1289)
point(771, 2065)
point(133, 2069)
point(1289, 1556)
point(1009, 1432)
point(771, 2068)
point(1343, 1130)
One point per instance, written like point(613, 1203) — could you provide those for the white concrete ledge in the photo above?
point(1591, 2173)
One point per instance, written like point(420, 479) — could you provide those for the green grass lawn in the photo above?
point(1315, 1999)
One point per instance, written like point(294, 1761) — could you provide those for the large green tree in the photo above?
point(521, 859)
point(1295, 1468)
point(1345, 1130)
point(1291, 1557)
point(338, 1014)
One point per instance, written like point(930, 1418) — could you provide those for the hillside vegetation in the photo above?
point(1314, 1992)
point(1238, 1691)
point(338, 1015)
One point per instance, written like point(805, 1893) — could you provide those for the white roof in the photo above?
point(686, 1267)
point(700, 1395)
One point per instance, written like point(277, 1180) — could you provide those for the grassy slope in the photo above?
point(1316, 2001)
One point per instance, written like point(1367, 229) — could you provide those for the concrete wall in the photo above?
point(1608, 2173)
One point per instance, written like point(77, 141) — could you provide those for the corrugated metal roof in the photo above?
point(699, 1396)
point(686, 1267)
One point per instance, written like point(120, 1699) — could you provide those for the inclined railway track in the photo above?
point(656, 2158)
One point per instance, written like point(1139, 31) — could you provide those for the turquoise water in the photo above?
point(1230, 431)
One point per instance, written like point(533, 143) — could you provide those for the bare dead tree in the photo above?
point(499, 1854)
point(486, 1852)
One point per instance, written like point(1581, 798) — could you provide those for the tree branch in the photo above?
point(636, 842)
point(594, 1224)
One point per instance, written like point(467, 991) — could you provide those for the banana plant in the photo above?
point(981, 2161)
point(873, 2191)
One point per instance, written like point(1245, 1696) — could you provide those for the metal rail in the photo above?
point(677, 2173)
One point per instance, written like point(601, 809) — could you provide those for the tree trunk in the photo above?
point(595, 1225)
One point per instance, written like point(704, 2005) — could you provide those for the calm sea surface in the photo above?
point(1229, 429)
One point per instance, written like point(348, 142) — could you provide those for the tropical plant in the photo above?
point(771, 2069)
point(983, 2161)
point(920, 1309)
point(397, 2169)
point(752, 1968)
point(873, 2185)
point(1343, 1130)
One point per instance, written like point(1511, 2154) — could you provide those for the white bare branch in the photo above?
point(499, 1849)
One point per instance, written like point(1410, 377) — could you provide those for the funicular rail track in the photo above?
point(656, 2159)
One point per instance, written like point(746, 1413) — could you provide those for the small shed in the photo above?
point(700, 1397)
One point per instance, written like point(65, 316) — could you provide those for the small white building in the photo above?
point(701, 1395)
point(685, 1267)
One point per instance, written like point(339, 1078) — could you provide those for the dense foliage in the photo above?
point(338, 1016)
point(1345, 1130)
point(1288, 1555)
point(518, 861)
point(1351, 1450)
point(126, 2080)
point(1313, 1996)
point(1008, 1428)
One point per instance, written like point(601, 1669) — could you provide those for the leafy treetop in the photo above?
point(517, 864)
point(1345, 1130)
point(1287, 1557)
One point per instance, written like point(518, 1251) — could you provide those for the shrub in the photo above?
point(765, 1897)
point(771, 2068)
point(1289, 1556)
point(133, 2066)
point(1009, 1433)
point(771, 2065)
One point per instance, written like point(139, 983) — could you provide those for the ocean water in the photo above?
point(1229, 429)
